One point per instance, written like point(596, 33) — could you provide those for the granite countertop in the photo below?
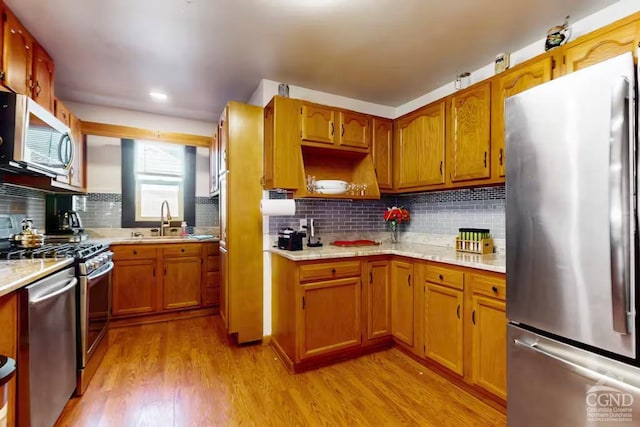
point(151, 240)
point(15, 274)
point(447, 255)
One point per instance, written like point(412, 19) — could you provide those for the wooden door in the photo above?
point(224, 287)
point(268, 149)
point(214, 164)
point(489, 352)
point(134, 287)
point(317, 124)
point(181, 282)
point(470, 133)
point(420, 148)
point(381, 151)
point(508, 84)
point(16, 55)
point(443, 326)
point(76, 171)
point(329, 316)
point(43, 70)
point(354, 129)
point(379, 300)
point(601, 46)
point(223, 200)
point(223, 141)
point(402, 301)
point(9, 347)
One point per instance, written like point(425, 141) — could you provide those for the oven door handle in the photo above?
point(72, 283)
point(101, 273)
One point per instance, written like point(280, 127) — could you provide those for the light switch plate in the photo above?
point(303, 223)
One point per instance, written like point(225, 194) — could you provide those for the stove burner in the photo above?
point(54, 251)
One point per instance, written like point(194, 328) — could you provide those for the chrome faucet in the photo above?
point(164, 224)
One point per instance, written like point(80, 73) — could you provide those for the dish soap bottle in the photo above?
point(184, 231)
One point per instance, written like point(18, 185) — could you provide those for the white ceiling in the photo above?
point(206, 52)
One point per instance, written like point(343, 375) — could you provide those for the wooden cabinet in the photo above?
point(182, 282)
point(43, 70)
point(9, 347)
point(211, 274)
point(489, 331)
point(134, 287)
point(378, 299)
point(17, 55)
point(444, 326)
point(402, 319)
point(512, 82)
point(354, 129)
point(602, 45)
point(282, 158)
point(382, 151)
point(223, 141)
point(330, 316)
point(317, 124)
point(470, 133)
point(76, 171)
point(214, 165)
point(224, 286)
point(420, 148)
point(62, 113)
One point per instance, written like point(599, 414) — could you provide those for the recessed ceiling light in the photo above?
point(158, 96)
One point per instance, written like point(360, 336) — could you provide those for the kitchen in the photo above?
point(197, 318)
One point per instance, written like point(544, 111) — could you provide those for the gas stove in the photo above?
point(80, 251)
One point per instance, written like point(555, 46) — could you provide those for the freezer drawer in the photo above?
point(553, 384)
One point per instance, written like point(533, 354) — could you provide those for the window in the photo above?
point(151, 173)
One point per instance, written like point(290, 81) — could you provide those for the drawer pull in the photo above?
point(333, 271)
point(494, 289)
point(440, 276)
point(182, 250)
point(135, 252)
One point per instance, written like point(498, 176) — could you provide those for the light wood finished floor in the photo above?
point(184, 373)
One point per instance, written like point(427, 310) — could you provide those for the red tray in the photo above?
point(348, 243)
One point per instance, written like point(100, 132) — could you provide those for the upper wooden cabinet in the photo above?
point(354, 129)
point(420, 148)
point(601, 45)
point(402, 285)
point(317, 124)
point(42, 80)
point(511, 82)
point(282, 157)
point(321, 125)
point(17, 55)
point(214, 164)
point(62, 112)
point(470, 133)
point(382, 151)
point(77, 169)
point(223, 138)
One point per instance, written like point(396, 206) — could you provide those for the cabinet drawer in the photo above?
point(445, 276)
point(212, 248)
point(181, 250)
point(211, 295)
point(494, 287)
point(133, 252)
point(213, 263)
point(213, 279)
point(334, 270)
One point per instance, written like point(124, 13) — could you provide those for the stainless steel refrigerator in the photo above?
point(572, 250)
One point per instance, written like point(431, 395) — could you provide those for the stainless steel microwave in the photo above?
point(32, 140)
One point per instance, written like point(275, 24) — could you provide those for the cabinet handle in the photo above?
point(370, 277)
point(165, 271)
point(333, 271)
point(154, 272)
point(440, 168)
point(303, 303)
point(485, 159)
point(181, 250)
point(38, 88)
point(409, 280)
point(332, 128)
point(458, 311)
point(473, 317)
point(440, 276)
point(342, 132)
point(135, 252)
point(494, 289)
point(501, 155)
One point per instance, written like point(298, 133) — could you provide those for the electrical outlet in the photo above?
point(303, 224)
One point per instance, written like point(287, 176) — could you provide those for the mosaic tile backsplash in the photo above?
point(19, 200)
point(104, 210)
point(435, 213)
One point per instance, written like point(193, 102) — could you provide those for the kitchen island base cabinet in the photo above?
point(134, 287)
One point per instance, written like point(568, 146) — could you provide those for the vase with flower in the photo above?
point(394, 216)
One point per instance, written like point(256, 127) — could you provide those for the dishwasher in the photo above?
point(47, 366)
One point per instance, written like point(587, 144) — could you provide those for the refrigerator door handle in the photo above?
point(619, 204)
point(583, 371)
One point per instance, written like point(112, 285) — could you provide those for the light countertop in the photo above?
point(489, 262)
point(18, 273)
point(151, 240)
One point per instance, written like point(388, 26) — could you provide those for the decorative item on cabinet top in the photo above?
point(558, 35)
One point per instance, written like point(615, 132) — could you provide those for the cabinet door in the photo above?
point(223, 140)
point(318, 124)
point(443, 326)
point(214, 165)
point(470, 133)
point(379, 300)
point(489, 352)
point(76, 171)
point(381, 150)
point(223, 203)
point(134, 287)
point(510, 83)
point(329, 316)
point(182, 287)
point(16, 55)
point(602, 46)
point(402, 301)
point(354, 129)
point(224, 287)
point(420, 148)
point(8, 347)
point(62, 112)
point(268, 160)
point(43, 71)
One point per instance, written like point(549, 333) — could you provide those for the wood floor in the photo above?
point(185, 373)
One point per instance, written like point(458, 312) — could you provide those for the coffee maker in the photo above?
point(62, 221)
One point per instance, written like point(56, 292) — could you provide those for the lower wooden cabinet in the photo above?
point(9, 347)
point(402, 313)
point(134, 287)
point(182, 282)
point(378, 299)
point(330, 316)
point(444, 326)
point(224, 287)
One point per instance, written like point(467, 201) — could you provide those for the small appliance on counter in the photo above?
point(28, 238)
point(312, 240)
point(63, 222)
point(290, 240)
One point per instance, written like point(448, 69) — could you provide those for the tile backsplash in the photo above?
point(20, 200)
point(104, 210)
